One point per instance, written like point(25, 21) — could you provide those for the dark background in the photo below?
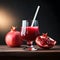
point(48, 15)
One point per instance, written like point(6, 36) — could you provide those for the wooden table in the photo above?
point(21, 53)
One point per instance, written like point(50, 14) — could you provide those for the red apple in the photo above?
point(44, 41)
point(13, 38)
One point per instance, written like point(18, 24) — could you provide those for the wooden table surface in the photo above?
point(18, 53)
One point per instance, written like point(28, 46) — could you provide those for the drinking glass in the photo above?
point(29, 33)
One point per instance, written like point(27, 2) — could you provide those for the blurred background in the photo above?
point(12, 12)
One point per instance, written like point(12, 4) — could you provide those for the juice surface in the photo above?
point(31, 33)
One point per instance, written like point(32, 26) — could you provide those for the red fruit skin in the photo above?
point(45, 43)
point(13, 39)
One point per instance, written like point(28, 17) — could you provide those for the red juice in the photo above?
point(31, 33)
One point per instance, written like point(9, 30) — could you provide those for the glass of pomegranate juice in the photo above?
point(29, 34)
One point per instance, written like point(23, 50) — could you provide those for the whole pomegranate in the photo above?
point(44, 41)
point(13, 38)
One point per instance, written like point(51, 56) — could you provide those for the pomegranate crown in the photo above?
point(45, 34)
point(13, 28)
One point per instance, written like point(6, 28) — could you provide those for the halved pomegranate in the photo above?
point(44, 41)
